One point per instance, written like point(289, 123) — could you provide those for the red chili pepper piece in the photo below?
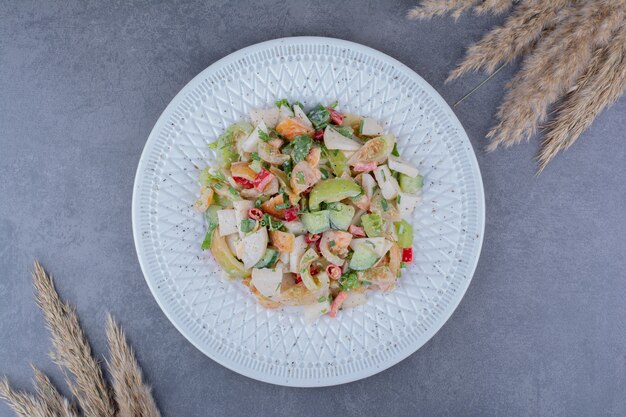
point(335, 116)
point(255, 214)
point(291, 214)
point(333, 271)
point(313, 270)
point(318, 135)
point(243, 182)
point(262, 179)
point(309, 238)
point(407, 255)
point(298, 278)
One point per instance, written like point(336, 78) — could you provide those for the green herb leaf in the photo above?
point(255, 156)
point(325, 173)
point(349, 281)
point(395, 150)
point(300, 177)
point(299, 148)
point(384, 204)
point(282, 206)
point(283, 102)
point(264, 136)
point(334, 104)
point(213, 145)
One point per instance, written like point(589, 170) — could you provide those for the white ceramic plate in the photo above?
point(221, 318)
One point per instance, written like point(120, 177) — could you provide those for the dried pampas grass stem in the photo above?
point(599, 87)
point(51, 397)
point(132, 395)
point(433, 8)
point(506, 43)
point(24, 405)
point(573, 59)
point(551, 70)
point(73, 353)
point(71, 349)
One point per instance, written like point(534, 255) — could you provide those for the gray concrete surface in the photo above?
point(541, 331)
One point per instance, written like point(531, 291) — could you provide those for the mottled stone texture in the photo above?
point(541, 331)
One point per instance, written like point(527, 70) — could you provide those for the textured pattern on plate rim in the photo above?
point(220, 317)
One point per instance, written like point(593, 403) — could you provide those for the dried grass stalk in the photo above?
point(133, 397)
point(72, 350)
point(51, 398)
point(24, 405)
point(493, 6)
point(552, 69)
point(432, 8)
point(599, 87)
point(518, 33)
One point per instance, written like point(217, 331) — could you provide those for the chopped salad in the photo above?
point(306, 208)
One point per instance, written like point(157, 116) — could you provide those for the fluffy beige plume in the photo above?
point(507, 42)
point(599, 87)
point(24, 405)
point(432, 8)
point(72, 351)
point(51, 398)
point(493, 6)
point(133, 397)
point(553, 67)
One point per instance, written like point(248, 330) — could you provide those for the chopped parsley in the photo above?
point(264, 136)
point(282, 206)
point(349, 281)
point(270, 222)
point(384, 204)
point(283, 102)
point(255, 156)
point(331, 243)
point(300, 177)
point(395, 152)
point(288, 167)
point(213, 145)
point(299, 148)
point(398, 199)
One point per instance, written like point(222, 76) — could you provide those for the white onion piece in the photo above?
point(403, 166)
point(326, 253)
point(267, 281)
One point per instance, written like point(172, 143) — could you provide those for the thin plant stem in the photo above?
point(483, 82)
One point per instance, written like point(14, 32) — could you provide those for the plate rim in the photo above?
point(257, 375)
